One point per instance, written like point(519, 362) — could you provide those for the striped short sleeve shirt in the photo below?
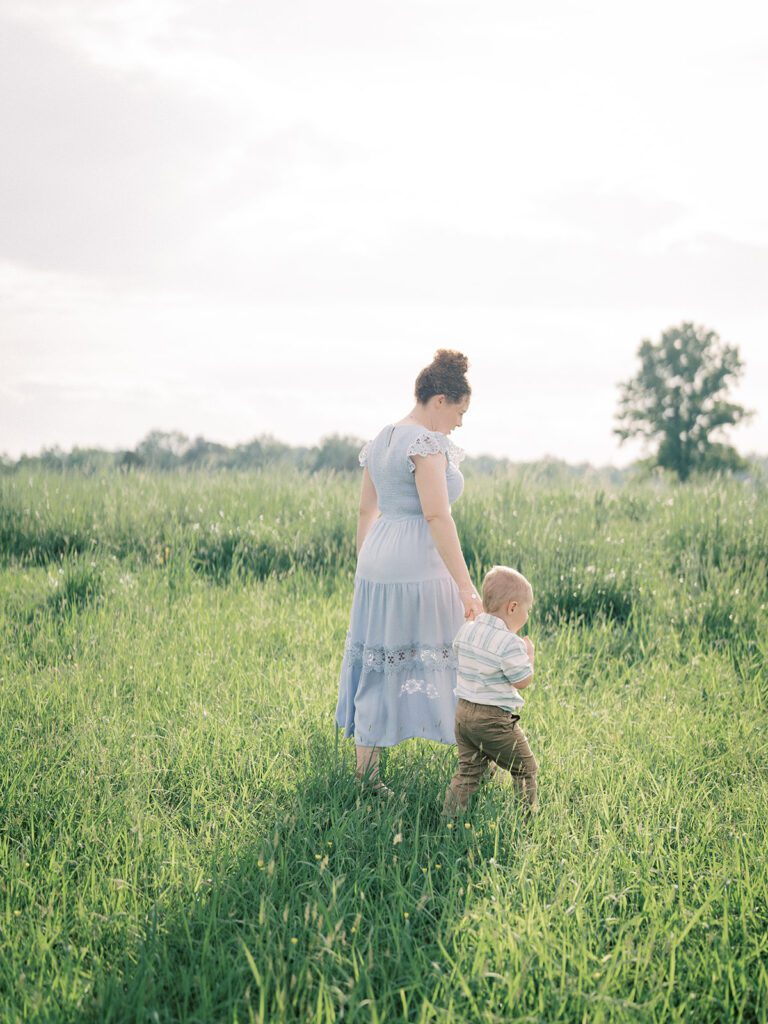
point(491, 659)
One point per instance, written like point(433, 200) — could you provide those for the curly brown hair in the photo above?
point(445, 375)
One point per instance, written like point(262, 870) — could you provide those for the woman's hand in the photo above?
point(473, 606)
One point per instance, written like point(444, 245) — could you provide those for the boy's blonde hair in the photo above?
point(501, 585)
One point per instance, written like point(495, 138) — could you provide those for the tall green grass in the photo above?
point(233, 524)
point(181, 837)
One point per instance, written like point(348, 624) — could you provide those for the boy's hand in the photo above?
point(530, 650)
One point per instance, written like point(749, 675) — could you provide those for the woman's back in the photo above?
point(392, 470)
point(399, 547)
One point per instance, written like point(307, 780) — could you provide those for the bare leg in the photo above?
point(367, 763)
point(367, 770)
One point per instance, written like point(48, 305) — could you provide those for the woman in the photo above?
point(412, 585)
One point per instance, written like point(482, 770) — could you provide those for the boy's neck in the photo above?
point(501, 618)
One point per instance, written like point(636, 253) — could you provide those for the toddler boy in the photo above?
point(494, 664)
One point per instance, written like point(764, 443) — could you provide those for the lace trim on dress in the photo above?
point(396, 659)
point(455, 454)
point(362, 458)
point(430, 444)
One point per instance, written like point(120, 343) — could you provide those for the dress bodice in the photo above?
point(392, 469)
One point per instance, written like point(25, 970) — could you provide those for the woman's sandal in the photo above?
point(375, 787)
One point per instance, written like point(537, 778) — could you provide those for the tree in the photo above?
point(161, 450)
point(679, 399)
point(337, 453)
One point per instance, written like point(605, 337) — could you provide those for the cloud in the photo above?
point(212, 194)
point(593, 213)
point(100, 170)
point(115, 171)
point(276, 151)
point(319, 258)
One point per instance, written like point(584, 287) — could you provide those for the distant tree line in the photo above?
point(678, 403)
point(173, 452)
point(168, 452)
point(162, 451)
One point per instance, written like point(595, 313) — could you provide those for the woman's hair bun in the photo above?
point(450, 358)
point(445, 375)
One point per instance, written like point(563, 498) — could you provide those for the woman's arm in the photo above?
point(369, 509)
point(433, 494)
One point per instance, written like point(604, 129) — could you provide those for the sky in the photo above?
point(233, 218)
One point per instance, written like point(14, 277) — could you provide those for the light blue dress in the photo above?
point(398, 676)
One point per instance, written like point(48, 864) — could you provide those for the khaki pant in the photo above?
point(483, 734)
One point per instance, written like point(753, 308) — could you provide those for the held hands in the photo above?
point(473, 606)
point(530, 650)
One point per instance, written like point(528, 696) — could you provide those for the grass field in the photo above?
point(181, 837)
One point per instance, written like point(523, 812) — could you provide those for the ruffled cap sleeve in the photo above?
point(434, 443)
point(362, 458)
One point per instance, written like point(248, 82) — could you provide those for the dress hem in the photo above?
point(348, 735)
